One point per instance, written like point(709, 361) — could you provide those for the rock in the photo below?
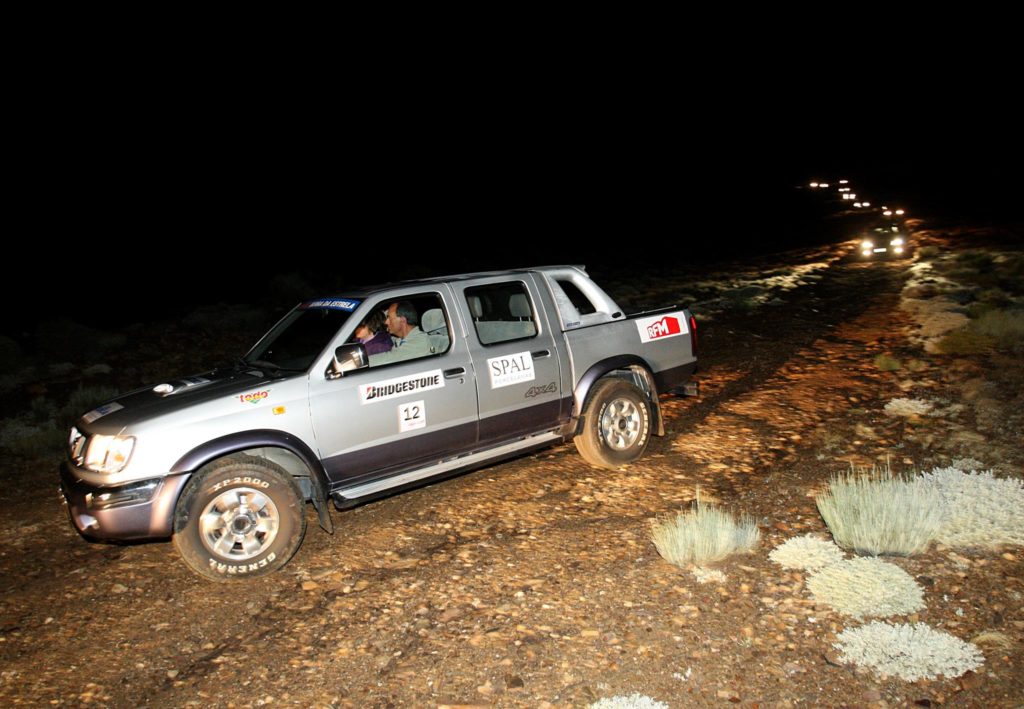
point(171, 674)
point(118, 588)
point(871, 695)
point(310, 585)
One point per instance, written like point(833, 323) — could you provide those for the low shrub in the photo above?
point(866, 587)
point(887, 363)
point(910, 652)
point(1006, 327)
point(703, 535)
point(878, 513)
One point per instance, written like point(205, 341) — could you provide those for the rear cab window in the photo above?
point(501, 312)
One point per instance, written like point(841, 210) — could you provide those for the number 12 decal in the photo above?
point(412, 415)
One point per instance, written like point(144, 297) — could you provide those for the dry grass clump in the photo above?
point(908, 407)
point(878, 513)
point(1006, 327)
point(965, 342)
point(870, 587)
point(887, 363)
point(910, 652)
point(981, 510)
point(703, 535)
point(806, 552)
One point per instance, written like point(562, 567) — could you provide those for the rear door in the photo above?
point(514, 355)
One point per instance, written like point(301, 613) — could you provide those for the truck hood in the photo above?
point(175, 395)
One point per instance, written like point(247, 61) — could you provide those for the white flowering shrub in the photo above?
point(908, 407)
point(981, 510)
point(910, 652)
point(866, 586)
point(633, 701)
point(807, 552)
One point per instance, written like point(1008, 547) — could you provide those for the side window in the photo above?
point(576, 297)
point(406, 328)
point(501, 312)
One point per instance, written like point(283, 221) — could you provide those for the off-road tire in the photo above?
point(616, 424)
point(239, 517)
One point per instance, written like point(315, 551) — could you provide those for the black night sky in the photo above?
point(142, 218)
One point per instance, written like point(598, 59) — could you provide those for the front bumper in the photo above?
point(142, 509)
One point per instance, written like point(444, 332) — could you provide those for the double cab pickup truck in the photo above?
point(478, 368)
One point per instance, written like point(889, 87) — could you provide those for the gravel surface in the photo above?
point(535, 583)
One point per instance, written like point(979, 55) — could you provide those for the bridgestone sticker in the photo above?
point(662, 326)
point(101, 411)
point(510, 369)
point(400, 386)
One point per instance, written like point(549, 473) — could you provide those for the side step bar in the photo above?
point(375, 486)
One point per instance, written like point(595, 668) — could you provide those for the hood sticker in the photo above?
point(660, 327)
point(400, 386)
point(254, 397)
point(101, 411)
point(345, 304)
point(510, 369)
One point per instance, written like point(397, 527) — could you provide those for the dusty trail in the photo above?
point(529, 584)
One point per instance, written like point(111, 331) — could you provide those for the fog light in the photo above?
point(122, 496)
point(897, 250)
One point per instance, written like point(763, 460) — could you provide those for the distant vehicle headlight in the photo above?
point(898, 241)
point(108, 454)
point(867, 245)
point(897, 249)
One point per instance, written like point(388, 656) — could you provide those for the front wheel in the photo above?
point(616, 426)
point(241, 516)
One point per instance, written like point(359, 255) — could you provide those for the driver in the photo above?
point(408, 340)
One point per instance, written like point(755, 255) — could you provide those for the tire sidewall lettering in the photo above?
point(249, 480)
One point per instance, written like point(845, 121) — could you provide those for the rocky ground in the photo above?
point(535, 583)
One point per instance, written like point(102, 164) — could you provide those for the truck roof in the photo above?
point(368, 290)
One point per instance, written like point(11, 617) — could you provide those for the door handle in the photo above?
point(457, 372)
point(540, 354)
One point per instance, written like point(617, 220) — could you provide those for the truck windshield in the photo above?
point(299, 338)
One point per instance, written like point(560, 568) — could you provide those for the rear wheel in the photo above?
point(239, 517)
point(616, 426)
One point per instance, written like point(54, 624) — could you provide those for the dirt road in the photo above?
point(534, 583)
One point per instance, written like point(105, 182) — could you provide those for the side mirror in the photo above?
point(347, 358)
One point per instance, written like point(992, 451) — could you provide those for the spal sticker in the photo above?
point(510, 369)
point(411, 416)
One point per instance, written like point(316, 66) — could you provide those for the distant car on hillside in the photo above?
point(884, 240)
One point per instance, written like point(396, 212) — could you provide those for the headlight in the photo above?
point(898, 241)
point(108, 454)
point(867, 245)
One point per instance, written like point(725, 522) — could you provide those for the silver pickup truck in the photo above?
point(481, 367)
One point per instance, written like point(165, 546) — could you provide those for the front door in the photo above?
point(400, 414)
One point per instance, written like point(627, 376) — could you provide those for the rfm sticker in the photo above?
point(658, 328)
point(411, 416)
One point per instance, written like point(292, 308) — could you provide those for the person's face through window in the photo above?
point(393, 322)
